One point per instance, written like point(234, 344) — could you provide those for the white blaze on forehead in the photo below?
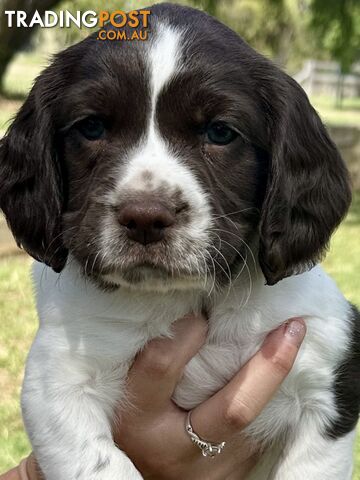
point(153, 154)
point(164, 57)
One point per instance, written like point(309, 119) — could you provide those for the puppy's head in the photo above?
point(161, 163)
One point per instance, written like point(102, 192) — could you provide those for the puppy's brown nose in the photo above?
point(145, 222)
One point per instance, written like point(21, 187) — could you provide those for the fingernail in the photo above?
point(295, 331)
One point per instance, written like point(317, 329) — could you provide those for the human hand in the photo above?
point(152, 430)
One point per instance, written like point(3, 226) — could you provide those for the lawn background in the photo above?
point(17, 314)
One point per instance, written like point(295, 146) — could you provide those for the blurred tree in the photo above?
point(273, 27)
point(210, 6)
point(13, 39)
point(337, 26)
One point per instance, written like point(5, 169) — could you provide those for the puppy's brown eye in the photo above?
point(219, 133)
point(92, 128)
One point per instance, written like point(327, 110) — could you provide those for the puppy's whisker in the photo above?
point(56, 238)
point(241, 240)
point(226, 263)
point(215, 217)
point(245, 266)
point(214, 273)
point(205, 269)
point(241, 256)
point(229, 270)
point(93, 264)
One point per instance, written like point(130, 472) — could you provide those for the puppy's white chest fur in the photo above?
point(95, 336)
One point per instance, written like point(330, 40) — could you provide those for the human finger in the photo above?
point(236, 405)
point(158, 368)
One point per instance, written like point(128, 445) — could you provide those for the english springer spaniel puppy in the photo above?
point(184, 173)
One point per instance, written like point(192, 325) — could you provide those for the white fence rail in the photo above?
point(325, 78)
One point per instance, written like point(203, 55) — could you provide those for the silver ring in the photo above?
point(208, 449)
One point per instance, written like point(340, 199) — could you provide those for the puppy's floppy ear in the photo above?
point(308, 190)
point(31, 178)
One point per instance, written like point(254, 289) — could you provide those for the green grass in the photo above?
point(348, 114)
point(343, 259)
point(17, 82)
point(18, 325)
point(8, 108)
point(21, 73)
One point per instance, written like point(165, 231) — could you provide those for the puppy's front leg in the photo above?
point(67, 411)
